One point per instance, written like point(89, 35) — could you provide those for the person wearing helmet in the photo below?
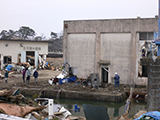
point(116, 77)
point(6, 75)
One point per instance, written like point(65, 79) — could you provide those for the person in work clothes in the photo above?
point(116, 77)
point(28, 74)
point(23, 74)
point(35, 74)
point(6, 76)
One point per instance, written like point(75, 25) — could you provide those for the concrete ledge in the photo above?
point(75, 95)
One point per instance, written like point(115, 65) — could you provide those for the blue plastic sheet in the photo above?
point(65, 80)
point(153, 114)
point(9, 67)
point(47, 63)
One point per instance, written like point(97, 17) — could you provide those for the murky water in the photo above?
point(114, 109)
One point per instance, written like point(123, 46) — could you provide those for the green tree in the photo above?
point(26, 32)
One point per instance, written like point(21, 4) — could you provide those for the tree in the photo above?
point(38, 38)
point(26, 32)
point(4, 34)
point(7, 34)
point(53, 35)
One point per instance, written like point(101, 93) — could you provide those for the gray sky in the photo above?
point(45, 16)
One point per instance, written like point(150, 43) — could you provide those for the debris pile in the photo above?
point(16, 106)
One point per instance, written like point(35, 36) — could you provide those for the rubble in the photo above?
point(16, 110)
point(79, 84)
point(16, 105)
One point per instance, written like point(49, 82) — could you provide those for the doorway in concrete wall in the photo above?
point(30, 57)
point(104, 74)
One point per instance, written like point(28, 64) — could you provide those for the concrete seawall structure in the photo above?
point(74, 95)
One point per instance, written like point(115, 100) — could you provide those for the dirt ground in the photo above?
point(15, 80)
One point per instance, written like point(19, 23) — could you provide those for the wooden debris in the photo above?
point(3, 92)
point(128, 103)
point(16, 110)
point(139, 114)
point(37, 116)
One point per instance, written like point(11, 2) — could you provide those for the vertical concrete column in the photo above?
point(153, 91)
point(14, 58)
point(23, 56)
point(65, 43)
point(36, 59)
point(133, 58)
point(97, 54)
point(159, 20)
point(44, 60)
point(1, 61)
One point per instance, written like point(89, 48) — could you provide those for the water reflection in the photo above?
point(114, 109)
point(116, 112)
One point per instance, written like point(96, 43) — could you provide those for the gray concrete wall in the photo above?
point(128, 27)
point(81, 53)
point(75, 95)
point(111, 49)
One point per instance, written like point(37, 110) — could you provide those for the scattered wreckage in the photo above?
point(15, 106)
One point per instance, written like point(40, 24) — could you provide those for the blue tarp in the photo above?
point(9, 67)
point(47, 63)
point(153, 114)
point(65, 80)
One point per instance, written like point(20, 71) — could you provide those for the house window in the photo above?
point(146, 36)
point(7, 59)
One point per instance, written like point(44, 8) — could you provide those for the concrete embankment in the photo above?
point(50, 93)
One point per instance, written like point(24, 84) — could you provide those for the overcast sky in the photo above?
point(45, 16)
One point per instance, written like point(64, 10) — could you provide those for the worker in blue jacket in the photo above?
point(35, 74)
point(116, 77)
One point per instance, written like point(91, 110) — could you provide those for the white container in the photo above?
point(50, 108)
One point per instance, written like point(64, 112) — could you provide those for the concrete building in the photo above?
point(98, 46)
point(17, 50)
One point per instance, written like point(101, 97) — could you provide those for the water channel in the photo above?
point(114, 109)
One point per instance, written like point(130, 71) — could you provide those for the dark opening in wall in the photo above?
point(104, 75)
point(144, 71)
point(30, 56)
point(146, 36)
point(7, 59)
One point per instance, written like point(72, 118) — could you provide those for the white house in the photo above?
point(14, 51)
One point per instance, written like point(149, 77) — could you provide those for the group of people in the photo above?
point(26, 73)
